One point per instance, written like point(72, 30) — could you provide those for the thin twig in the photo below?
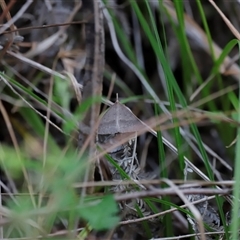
point(92, 81)
point(45, 26)
point(16, 16)
point(38, 66)
point(168, 192)
point(234, 31)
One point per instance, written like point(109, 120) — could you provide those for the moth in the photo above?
point(117, 134)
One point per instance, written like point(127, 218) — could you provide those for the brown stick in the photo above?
point(92, 81)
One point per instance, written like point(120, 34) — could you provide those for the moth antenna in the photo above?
point(116, 97)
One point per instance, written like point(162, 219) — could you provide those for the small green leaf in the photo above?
point(103, 215)
point(61, 87)
point(11, 161)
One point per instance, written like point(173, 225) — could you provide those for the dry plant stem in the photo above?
point(45, 26)
point(110, 90)
point(62, 233)
point(16, 16)
point(75, 86)
point(92, 81)
point(188, 236)
point(234, 31)
point(6, 10)
point(186, 184)
point(211, 96)
point(189, 189)
point(38, 66)
point(168, 192)
point(8, 17)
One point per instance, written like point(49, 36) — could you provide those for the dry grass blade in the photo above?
point(6, 9)
point(16, 17)
point(226, 20)
point(92, 81)
point(39, 66)
point(170, 191)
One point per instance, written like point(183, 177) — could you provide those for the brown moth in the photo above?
point(119, 119)
point(117, 134)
